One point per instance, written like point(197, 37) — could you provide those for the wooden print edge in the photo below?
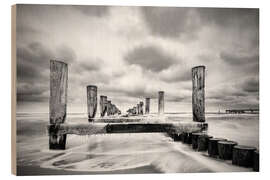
point(13, 91)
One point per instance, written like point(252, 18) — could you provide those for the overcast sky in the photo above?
point(133, 52)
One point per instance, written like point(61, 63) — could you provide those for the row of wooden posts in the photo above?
point(58, 96)
point(221, 148)
point(138, 110)
point(58, 99)
point(106, 106)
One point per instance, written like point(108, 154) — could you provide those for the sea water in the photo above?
point(114, 152)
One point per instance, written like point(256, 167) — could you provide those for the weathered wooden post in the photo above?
point(161, 102)
point(194, 139)
point(58, 102)
point(213, 146)
point(109, 108)
point(134, 110)
point(203, 142)
point(147, 105)
point(243, 155)
point(91, 101)
point(256, 161)
point(103, 105)
point(225, 149)
point(141, 108)
point(198, 102)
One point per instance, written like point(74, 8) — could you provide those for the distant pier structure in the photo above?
point(242, 111)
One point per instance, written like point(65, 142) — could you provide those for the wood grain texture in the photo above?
point(203, 142)
point(198, 93)
point(213, 146)
point(91, 101)
point(161, 102)
point(103, 105)
point(58, 91)
point(225, 149)
point(243, 156)
point(13, 91)
point(147, 105)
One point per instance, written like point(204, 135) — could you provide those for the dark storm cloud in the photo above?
point(150, 58)
point(251, 85)
point(174, 22)
point(33, 68)
point(170, 21)
point(32, 92)
point(239, 59)
point(227, 17)
point(98, 11)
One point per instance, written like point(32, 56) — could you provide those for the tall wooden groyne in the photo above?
point(193, 133)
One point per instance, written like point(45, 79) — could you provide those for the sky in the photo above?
point(131, 53)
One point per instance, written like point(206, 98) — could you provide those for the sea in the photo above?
point(127, 152)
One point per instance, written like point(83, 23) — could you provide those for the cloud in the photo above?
point(170, 22)
point(176, 73)
point(33, 69)
point(133, 52)
point(150, 57)
point(239, 59)
point(251, 85)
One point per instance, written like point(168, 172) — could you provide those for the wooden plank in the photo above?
point(98, 128)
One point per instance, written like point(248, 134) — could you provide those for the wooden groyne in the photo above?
point(105, 128)
point(58, 101)
point(193, 133)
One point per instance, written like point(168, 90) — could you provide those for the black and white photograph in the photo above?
point(103, 89)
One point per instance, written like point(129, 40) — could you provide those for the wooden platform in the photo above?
point(104, 128)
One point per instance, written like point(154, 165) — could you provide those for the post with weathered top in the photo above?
point(147, 105)
point(141, 107)
point(103, 105)
point(138, 109)
point(109, 108)
point(91, 101)
point(198, 102)
point(161, 102)
point(58, 102)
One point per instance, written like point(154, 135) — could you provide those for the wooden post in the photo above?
point(91, 101)
point(213, 147)
point(138, 109)
point(194, 139)
point(225, 149)
point(203, 142)
point(103, 105)
point(256, 161)
point(58, 102)
point(141, 108)
point(147, 105)
point(198, 84)
point(243, 156)
point(109, 108)
point(161, 102)
point(186, 138)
